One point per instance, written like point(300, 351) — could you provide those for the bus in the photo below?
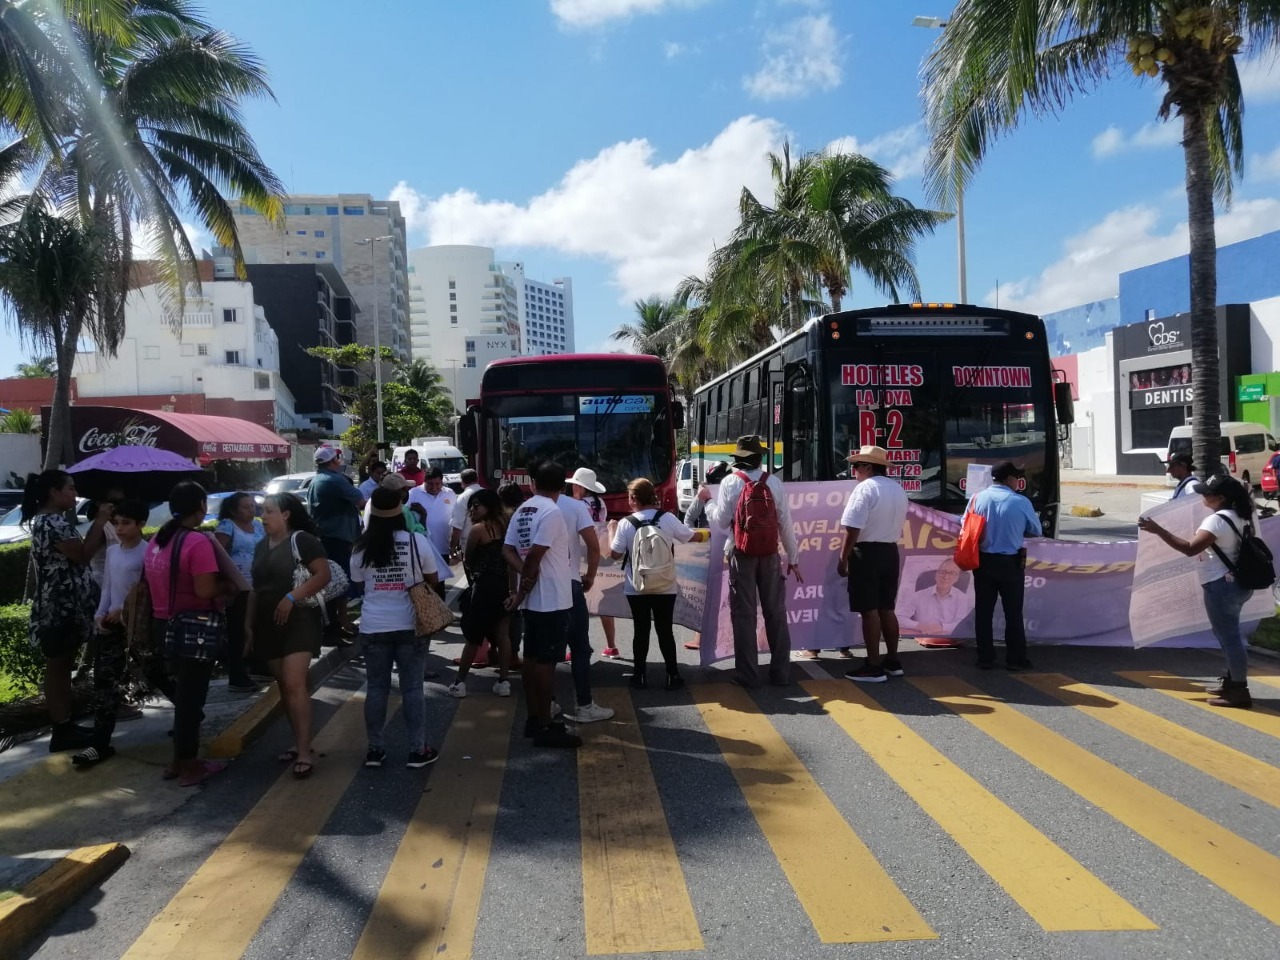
point(613, 412)
point(938, 385)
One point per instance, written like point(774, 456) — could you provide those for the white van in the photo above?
point(437, 452)
point(1245, 450)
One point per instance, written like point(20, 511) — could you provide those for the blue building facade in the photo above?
point(1247, 271)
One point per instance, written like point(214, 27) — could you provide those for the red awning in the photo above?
point(195, 435)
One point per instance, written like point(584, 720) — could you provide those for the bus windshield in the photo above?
point(938, 409)
point(620, 437)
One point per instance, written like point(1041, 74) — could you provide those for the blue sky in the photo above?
point(608, 140)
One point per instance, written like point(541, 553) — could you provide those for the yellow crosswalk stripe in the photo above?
point(1260, 718)
point(1271, 679)
point(841, 886)
point(217, 913)
point(1247, 872)
point(430, 899)
point(1051, 886)
point(635, 899)
point(1231, 766)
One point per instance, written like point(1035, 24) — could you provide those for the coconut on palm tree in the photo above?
point(999, 61)
point(144, 129)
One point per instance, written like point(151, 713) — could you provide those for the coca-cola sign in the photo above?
point(131, 433)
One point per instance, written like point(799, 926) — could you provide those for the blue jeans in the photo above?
point(1223, 599)
point(409, 654)
point(580, 644)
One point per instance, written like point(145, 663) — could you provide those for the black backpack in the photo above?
point(1253, 569)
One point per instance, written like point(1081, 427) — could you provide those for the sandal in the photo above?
point(207, 769)
point(287, 756)
point(302, 769)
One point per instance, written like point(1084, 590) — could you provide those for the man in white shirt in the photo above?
point(582, 533)
point(937, 610)
point(377, 470)
point(460, 522)
point(1179, 466)
point(537, 548)
point(438, 501)
point(753, 575)
point(872, 521)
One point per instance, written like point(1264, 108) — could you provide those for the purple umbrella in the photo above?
point(145, 472)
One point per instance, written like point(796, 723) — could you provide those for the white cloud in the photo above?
point(653, 222)
point(594, 13)
point(1150, 136)
point(1125, 239)
point(801, 57)
point(671, 49)
point(1265, 166)
point(902, 150)
point(1260, 79)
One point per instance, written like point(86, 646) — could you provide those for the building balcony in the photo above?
point(201, 318)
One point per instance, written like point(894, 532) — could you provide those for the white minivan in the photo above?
point(437, 452)
point(1246, 448)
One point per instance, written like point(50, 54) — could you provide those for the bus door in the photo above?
point(793, 421)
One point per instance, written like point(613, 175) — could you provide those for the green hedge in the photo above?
point(18, 659)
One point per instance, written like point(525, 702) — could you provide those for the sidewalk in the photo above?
point(1077, 478)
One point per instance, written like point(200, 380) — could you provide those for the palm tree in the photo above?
point(37, 368)
point(421, 376)
point(49, 277)
point(999, 60)
point(148, 122)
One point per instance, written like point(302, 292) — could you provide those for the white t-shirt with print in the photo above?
point(386, 606)
point(577, 517)
point(877, 509)
point(669, 526)
point(1226, 540)
point(539, 522)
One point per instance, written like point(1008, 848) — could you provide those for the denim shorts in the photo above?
point(546, 635)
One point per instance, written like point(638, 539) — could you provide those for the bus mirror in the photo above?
point(1064, 405)
point(677, 415)
point(467, 433)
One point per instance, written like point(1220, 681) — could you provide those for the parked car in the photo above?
point(1270, 482)
point(686, 486)
point(12, 530)
point(295, 483)
point(1246, 449)
point(10, 499)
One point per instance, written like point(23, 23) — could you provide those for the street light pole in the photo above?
point(377, 335)
point(453, 391)
point(937, 23)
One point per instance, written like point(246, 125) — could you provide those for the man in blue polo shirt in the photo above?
point(334, 503)
point(1002, 559)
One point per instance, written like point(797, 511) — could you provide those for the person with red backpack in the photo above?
point(752, 506)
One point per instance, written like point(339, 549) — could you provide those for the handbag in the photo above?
point(194, 634)
point(970, 539)
point(430, 613)
point(336, 588)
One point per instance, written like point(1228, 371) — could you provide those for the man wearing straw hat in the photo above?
point(872, 521)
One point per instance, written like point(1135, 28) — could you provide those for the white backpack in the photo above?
point(652, 559)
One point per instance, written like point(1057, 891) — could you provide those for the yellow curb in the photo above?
point(1086, 511)
point(233, 740)
point(44, 898)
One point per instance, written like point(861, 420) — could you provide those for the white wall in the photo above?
point(20, 454)
point(1097, 405)
point(1264, 335)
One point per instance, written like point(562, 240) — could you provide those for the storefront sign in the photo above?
point(1179, 396)
point(1250, 392)
point(1164, 336)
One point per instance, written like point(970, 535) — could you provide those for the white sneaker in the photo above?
point(592, 713)
point(457, 689)
point(502, 688)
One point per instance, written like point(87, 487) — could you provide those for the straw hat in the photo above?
point(870, 454)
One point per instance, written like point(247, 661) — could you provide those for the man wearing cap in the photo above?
point(582, 533)
point(335, 504)
point(1179, 466)
point(393, 481)
point(460, 522)
point(1002, 558)
point(872, 520)
point(751, 576)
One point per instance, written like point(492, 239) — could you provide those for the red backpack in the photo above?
point(755, 518)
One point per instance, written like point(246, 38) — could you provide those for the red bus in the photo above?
point(612, 412)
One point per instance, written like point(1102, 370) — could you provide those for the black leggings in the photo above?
point(661, 609)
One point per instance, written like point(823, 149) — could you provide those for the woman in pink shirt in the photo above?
point(193, 586)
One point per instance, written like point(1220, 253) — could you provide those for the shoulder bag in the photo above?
point(1254, 568)
point(430, 613)
point(336, 588)
point(970, 540)
point(194, 634)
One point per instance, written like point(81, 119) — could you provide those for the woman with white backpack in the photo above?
point(645, 542)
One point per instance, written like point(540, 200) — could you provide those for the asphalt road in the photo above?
point(955, 813)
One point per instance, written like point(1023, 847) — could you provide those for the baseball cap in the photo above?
point(1220, 484)
point(1006, 470)
point(326, 453)
point(1182, 458)
point(393, 481)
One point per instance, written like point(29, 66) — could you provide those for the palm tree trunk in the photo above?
point(1206, 410)
point(834, 293)
point(59, 450)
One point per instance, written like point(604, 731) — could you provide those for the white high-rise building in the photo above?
point(459, 294)
point(546, 311)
